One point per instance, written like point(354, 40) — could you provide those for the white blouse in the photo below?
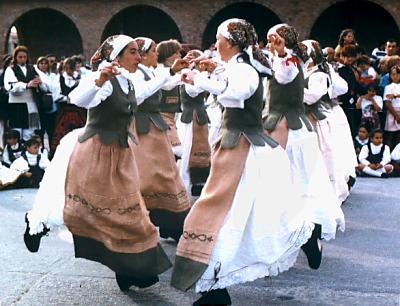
point(317, 86)
point(392, 88)
point(233, 82)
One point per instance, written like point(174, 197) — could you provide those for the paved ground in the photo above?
point(360, 267)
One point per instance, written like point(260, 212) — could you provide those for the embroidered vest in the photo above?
point(111, 118)
point(170, 101)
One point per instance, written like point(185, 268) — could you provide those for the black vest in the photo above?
point(112, 117)
point(375, 158)
point(192, 106)
point(286, 100)
point(30, 75)
point(245, 121)
point(148, 111)
point(65, 90)
point(12, 151)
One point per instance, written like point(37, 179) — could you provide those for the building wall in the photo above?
point(191, 16)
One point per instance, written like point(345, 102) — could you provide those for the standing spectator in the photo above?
point(210, 52)
point(368, 74)
point(375, 157)
point(392, 47)
point(391, 97)
point(23, 83)
point(4, 113)
point(347, 37)
point(351, 75)
point(52, 65)
point(370, 104)
point(68, 116)
point(379, 51)
point(47, 117)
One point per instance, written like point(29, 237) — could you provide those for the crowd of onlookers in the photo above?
point(35, 114)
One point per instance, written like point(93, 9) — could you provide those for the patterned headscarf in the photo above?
point(109, 50)
point(241, 33)
point(316, 55)
point(291, 37)
point(144, 44)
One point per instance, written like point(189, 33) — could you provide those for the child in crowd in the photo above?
point(42, 150)
point(362, 138)
point(31, 164)
point(375, 157)
point(367, 72)
point(13, 147)
point(391, 97)
point(370, 104)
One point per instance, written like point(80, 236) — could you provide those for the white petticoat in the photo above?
point(311, 176)
point(50, 199)
point(265, 227)
point(341, 134)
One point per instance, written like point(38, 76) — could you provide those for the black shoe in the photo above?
point(167, 233)
point(311, 248)
point(32, 242)
point(214, 297)
point(384, 175)
point(351, 182)
point(125, 282)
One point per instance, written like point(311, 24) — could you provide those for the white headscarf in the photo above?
point(144, 44)
point(109, 49)
point(241, 33)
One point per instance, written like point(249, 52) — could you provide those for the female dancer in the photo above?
point(286, 121)
point(103, 205)
point(235, 232)
point(160, 183)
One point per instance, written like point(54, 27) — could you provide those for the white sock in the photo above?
point(372, 172)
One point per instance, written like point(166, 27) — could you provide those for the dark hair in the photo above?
point(392, 40)
point(43, 59)
point(16, 51)
point(364, 59)
point(32, 141)
point(366, 126)
point(343, 34)
point(374, 132)
point(349, 51)
point(167, 48)
point(13, 134)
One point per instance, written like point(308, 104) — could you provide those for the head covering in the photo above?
point(109, 49)
point(291, 37)
point(144, 44)
point(316, 55)
point(241, 33)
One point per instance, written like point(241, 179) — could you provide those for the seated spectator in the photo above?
point(370, 104)
point(31, 164)
point(13, 148)
point(362, 138)
point(374, 158)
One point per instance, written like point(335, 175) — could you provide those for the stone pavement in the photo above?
point(360, 267)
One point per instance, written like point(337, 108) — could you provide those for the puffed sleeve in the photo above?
point(317, 87)
point(236, 84)
point(87, 94)
point(143, 88)
point(285, 68)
